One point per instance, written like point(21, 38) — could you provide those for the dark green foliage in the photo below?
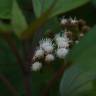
point(82, 55)
point(83, 70)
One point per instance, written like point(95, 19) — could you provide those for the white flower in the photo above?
point(49, 58)
point(36, 66)
point(73, 21)
point(61, 40)
point(63, 21)
point(46, 45)
point(62, 52)
point(81, 34)
point(39, 53)
point(77, 41)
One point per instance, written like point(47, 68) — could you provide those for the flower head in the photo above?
point(77, 41)
point(81, 34)
point(46, 45)
point(36, 66)
point(39, 53)
point(49, 58)
point(61, 52)
point(61, 40)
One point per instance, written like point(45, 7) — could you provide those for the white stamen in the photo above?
point(63, 21)
point(46, 45)
point(73, 21)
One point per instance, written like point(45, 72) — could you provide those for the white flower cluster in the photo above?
point(47, 50)
point(58, 45)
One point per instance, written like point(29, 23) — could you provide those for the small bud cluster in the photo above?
point(58, 45)
point(78, 28)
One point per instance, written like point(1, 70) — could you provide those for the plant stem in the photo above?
point(56, 76)
point(27, 83)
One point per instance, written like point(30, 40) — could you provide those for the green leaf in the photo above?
point(19, 23)
point(6, 13)
point(83, 56)
point(37, 7)
point(94, 3)
point(6, 9)
point(41, 6)
point(85, 50)
point(61, 6)
point(76, 80)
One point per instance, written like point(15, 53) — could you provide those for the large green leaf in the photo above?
point(19, 23)
point(5, 13)
point(61, 6)
point(83, 56)
point(76, 80)
point(37, 7)
point(94, 3)
point(41, 6)
point(6, 9)
point(85, 50)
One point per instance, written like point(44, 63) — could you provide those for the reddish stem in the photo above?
point(56, 76)
point(27, 83)
point(24, 66)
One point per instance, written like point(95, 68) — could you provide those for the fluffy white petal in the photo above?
point(47, 45)
point(61, 40)
point(62, 52)
point(49, 58)
point(39, 53)
point(36, 66)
